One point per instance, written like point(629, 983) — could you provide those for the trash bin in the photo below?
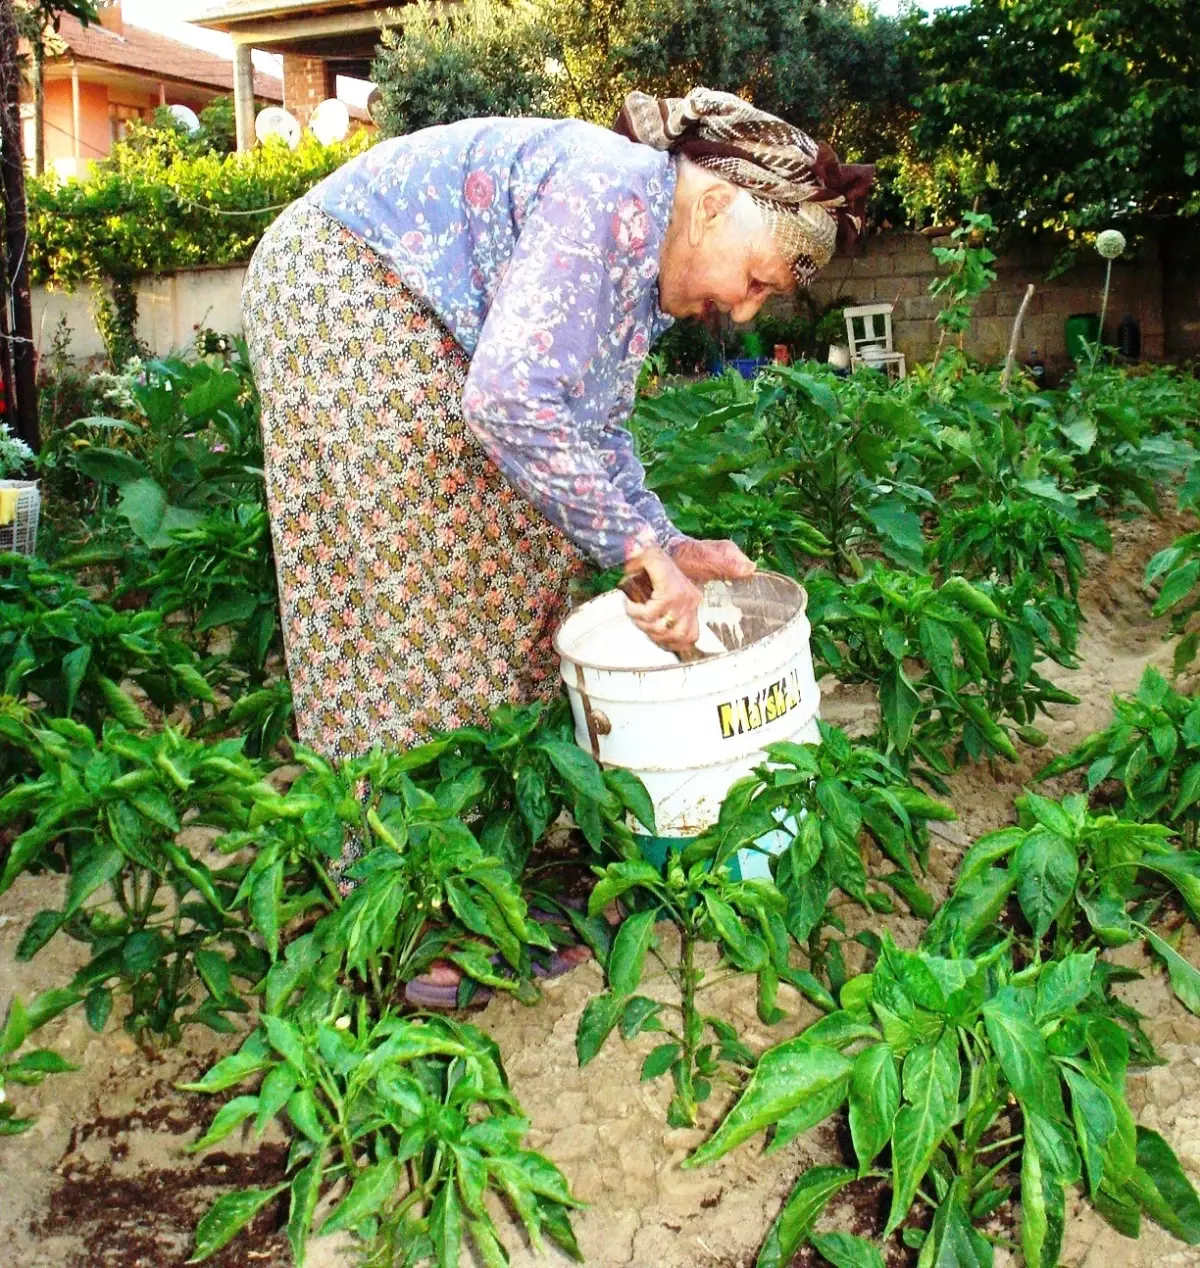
point(1080, 330)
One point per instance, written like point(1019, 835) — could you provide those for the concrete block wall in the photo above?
point(1161, 291)
point(898, 267)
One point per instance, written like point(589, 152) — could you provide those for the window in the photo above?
point(119, 119)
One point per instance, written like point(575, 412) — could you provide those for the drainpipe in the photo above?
point(76, 114)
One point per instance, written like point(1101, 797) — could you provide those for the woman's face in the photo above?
point(719, 255)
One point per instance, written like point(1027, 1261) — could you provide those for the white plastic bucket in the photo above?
point(691, 731)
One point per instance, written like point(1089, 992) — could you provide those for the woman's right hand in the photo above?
point(671, 615)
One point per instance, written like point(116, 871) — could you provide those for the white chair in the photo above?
point(869, 334)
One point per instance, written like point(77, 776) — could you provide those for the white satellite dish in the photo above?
point(330, 121)
point(186, 116)
point(276, 121)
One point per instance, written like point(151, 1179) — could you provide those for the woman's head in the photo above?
point(742, 170)
point(720, 253)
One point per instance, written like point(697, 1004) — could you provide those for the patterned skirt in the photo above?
point(418, 589)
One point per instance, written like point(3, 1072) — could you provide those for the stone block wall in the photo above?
point(898, 267)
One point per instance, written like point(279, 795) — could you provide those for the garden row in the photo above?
point(941, 526)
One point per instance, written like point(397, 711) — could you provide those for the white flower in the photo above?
point(3, 1098)
point(1110, 243)
point(342, 1023)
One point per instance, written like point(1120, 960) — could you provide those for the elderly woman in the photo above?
point(446, 334)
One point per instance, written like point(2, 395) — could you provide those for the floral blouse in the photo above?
point(537, 243)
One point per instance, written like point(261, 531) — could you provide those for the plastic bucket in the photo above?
point(747, 367)
point(1079, 330)
point(691, 731)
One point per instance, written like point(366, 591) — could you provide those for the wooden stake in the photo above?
point(1006, 377)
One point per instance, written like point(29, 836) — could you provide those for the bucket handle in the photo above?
point(638, 587)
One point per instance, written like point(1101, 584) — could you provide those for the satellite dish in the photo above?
point(185, 116)
point(330, 121)
point(276, 121)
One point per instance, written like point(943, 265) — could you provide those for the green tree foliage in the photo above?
point(1062, 114)
point(835, 68)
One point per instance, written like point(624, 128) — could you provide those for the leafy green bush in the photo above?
point(1178, 569)
point(819, 803)
point(15, 455)
point(827, 454)
point(156, 209)
point(189, 441)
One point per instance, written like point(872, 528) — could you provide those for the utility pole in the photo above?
point(12, 182)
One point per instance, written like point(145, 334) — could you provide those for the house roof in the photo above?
point(157, 56)
point(223, 16)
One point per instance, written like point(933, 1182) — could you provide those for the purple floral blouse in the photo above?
point(537, 243)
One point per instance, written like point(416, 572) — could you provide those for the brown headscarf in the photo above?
point(813, 204)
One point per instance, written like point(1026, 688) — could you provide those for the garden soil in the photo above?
point(104, 1179)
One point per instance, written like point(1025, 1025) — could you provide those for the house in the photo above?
point(99, 78)
point(318, 42)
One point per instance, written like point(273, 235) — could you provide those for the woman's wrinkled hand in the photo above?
point(671, 615)
point(702, 561)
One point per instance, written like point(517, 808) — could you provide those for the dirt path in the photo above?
point(103, 1179)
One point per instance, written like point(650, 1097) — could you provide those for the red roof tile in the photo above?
point(157, 56)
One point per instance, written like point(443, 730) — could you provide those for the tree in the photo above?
point(1060, 115)
point(16, 360)
point(831, 66)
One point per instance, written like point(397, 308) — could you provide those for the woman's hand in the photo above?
point(671, 615)
point(711, 561)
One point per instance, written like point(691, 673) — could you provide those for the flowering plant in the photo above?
point(15, 454)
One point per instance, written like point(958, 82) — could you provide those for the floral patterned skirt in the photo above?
point(418, 589)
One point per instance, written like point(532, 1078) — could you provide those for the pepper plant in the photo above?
point(951, 661)
point(413, 1116)
point(72, 653)
point(818, 805)
point(1080, 881)
point(33, 1066)
point(1178, 569)
point(155, 914)
point(744, 918)
point(815, 805)
point(1020, 536)
point(975, 1077)
point(220, 574)
point(1146, 762)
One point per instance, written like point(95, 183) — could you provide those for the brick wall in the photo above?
point(307, 81)
point(898, 267)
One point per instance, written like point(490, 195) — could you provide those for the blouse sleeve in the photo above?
point(627, 473)
point(556, 330)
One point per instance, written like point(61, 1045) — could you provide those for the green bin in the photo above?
point(1080, 330)
point(752, 344)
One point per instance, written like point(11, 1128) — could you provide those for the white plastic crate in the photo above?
point(19, 534)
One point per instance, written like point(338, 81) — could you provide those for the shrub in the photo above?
point(158, 208)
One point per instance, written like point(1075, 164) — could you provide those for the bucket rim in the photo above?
point(801, 613)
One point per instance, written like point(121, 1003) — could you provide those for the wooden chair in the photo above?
point(869, 334)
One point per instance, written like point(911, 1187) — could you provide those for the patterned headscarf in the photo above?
point(813, 204)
